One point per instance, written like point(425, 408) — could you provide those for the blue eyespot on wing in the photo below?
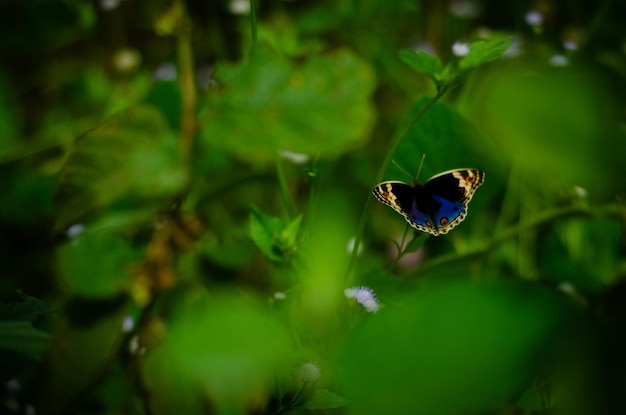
point(453, 190)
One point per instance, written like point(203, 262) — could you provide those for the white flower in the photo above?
point(534, 18)
point(279, 295)
point(460, 48)
point(75, 230)
point(128, 324)
point(364, 296)
point(309, 372)
point(239, 6)
point(570, 45)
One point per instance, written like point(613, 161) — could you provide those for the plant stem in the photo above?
point(253, 28)
point(187, 82)
point(381, 172)
point(284, 192)
point(546, 217)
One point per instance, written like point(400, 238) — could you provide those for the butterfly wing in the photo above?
point(452, 190)
point(402, 198)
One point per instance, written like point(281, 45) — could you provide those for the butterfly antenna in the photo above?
point(420, 168)
point(400, 167)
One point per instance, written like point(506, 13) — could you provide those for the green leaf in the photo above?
point(484, 51)
point(446, 138)
point(324, 399)
point(270, 104)
point(225, 351)
point(134, 155)
point(22, 338)
point(422, 62)
point(453, 346)
point(77, 359)
point(275, 237)
point(531, 112)
point(26, 309)
point(97, 264)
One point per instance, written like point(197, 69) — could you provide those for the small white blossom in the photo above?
point(534, 18)
point(570, 45)
point(364, 296)
point(75, 230)
point(279, 295)
point(128, 324)
point(309, 372)
point(239, 6)
point(460, 48)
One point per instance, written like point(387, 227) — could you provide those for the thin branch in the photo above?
point(187, 82)
point(547, 217)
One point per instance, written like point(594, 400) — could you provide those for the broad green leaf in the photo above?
point(134, 155)
point(225, 352)
point(484, 51)
point(453, 347)
point(422, 62)
point(324, 399)
point(553, 124)
point(446, 139)
point(268, 104)
point(275, 237)
point(26, 308)
point(97, 264)
point(76, 357)
point(22, 338)
point(583, 253)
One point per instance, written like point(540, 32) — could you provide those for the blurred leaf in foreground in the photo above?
point(456, 347)
point(270, 104)
point(555, 123)
point(222, 356)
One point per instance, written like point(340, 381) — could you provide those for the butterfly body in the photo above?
point(436, 206)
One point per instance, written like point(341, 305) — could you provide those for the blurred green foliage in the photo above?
point(187, 223)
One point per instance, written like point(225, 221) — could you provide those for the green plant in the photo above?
point(187, 222)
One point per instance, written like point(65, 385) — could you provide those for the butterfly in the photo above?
point(436, 206)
